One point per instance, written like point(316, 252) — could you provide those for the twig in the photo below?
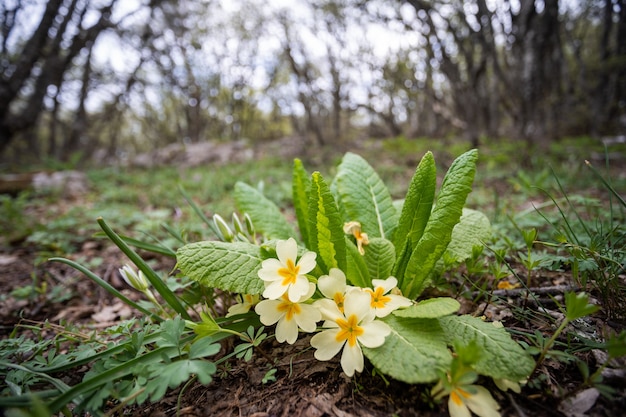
point(516, 292)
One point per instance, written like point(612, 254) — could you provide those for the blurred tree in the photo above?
point(35, 65)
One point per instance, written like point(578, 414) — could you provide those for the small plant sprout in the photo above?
point(459, 385)
point(354, 228)
point(289, 315)
point(285, 275)
point(383, 301)
point(349, 330)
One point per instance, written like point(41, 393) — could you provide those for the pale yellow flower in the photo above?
point(383, 301)
point(348, 331)
point(246, 302)
point(354, 228)
point(285, 275)
point(289, 315)
point(465, 399)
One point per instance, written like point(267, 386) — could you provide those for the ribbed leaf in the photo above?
point(300, 187)
point(472, 230)
point(457, 184)
point(414, 351)
point(265, 215)
point(363, 197)
point(380, 256)
point(356, 270)
point(325, 226)
point(418, 203)
point(430, 309)
point(227, 266)
point(502, 357)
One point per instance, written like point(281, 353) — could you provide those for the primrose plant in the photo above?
point(352, 272)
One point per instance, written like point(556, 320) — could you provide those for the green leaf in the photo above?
point(379, 257)
point(414, 352)
point(265, 215)
point(363, 197)
point(172, 374)
point(227, 266)
point(577, 305)
point(418, 203)
point(203, 347)
point(430, 309)
point(501, 358)
point(301, 185)
point(457, 184)
point(356, 269)
point(325, 226)
point(472, 230)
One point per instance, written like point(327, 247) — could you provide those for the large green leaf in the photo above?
point(502, 357)
point(430, 309)
point(414, 352)
point(301, 185)
point(227, 266)
point(326, 234)
point(380, 256)
point(356, 269)
point(363, 197)
point(457, 184)
point(473, 229)
point(418, 203)
point(265, 214)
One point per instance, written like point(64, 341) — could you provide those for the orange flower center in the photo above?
point(379, 300)
point(289, 273)
point(290, 309)
point(456, 395)
point(350, 330)
point(339, 298)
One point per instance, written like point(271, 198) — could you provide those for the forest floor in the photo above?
point(301, 385)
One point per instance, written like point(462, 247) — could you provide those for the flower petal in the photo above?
point(395, 302)
point(334, 282)
point(352, 359)
point(387, 284)
point(326, 344)
point(274, 290)
point(287, 330)
point(287, 249)
point(358, 303)
point(268, 311)
point(298, 289)
point(482, 403)
point(308, 318)
point(456, 406)
point(374, 334)
point(307, 262)
point(269, 270)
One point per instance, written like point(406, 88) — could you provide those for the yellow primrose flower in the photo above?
point(354, 228)
point(285, 275)
point(290, 316)
point(333, 286)
point(348, 331)
point(383, 301)
point(246, 301)
point(466, 397)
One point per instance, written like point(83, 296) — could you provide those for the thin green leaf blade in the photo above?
point(363, 197)
point(301, 185)
point(502, 357)
point(265, 214)
point(456, 186)
point(227, 266)
point(325, 226)
point(418, 203)
point(414, 352)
